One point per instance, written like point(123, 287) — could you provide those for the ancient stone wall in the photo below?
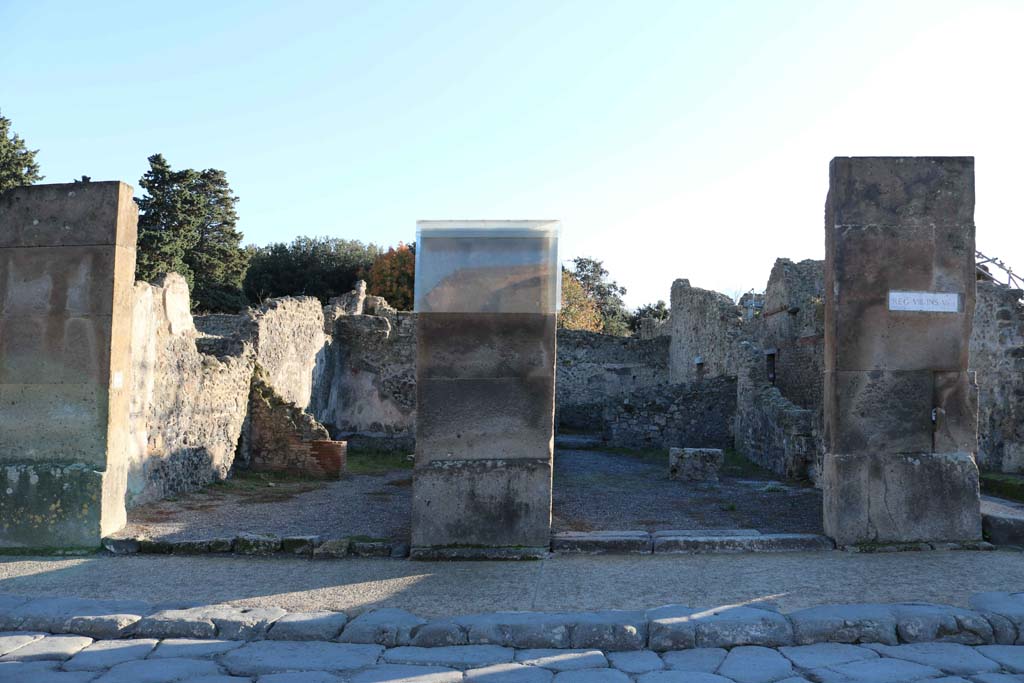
point(706, 328)
point(187, 407)
point(771, 430)
point(793, 329)
point(593, 368)
point(997, 356)
point(366, 392)
point(693, 415)
point(289, 343)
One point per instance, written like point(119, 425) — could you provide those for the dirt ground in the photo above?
point(593, 490)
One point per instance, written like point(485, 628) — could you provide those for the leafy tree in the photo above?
point(187, 224)
point(393, 275)
point(578, 311)
point(606, 294)
point(323, 267)
point(658, 311)
point(18, 164)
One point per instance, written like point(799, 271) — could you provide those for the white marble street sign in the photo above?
point(932, 302)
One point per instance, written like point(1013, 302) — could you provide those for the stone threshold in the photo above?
point(259, 544)
point(993, 618)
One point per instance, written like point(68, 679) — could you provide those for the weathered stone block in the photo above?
point(482, 502)
point(67, 262)
point(695, 464)
point(901, 498)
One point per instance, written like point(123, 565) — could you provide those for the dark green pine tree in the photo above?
point(187, 224)
point(18, 165)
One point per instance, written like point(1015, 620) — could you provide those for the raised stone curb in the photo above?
point(602, 542)
point(667, 542)
point(994, 619)
point(258, 544)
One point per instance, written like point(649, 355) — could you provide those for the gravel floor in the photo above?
point(597, 490)
point(593, 490)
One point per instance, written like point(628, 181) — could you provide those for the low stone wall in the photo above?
point(595, 368)
point(771, 430)
point(187, 408)
point(997, 356)
point(695, 415)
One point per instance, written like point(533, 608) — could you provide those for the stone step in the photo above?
point(581, 442)
point(1002, 521)
point(684, 541)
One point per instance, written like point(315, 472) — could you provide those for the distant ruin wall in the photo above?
point(593, 368)
point(706, 328)
point(997, 356)
point(289, 343)
point(187, 408)
point(366, 391)
point(694, 415)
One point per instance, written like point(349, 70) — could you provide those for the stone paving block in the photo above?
point(1011, 657)
point(272, 656)
point(242, 623)
point(456, 656)
point(998, 678)
point(51, 676)
point(193, 622)
point(299, 545)
point(9, 618)
point(517, 629)
point(509, 673)
point(705, 659)
point(399, 673)
point(12, 640)
point(335, 547)
point(602, 542)
point(592, 676)
point(875, 671)
point(103, 627)
point(1008, 605)
point(387, 626)
point(300, 677)
point(202, 546)
point(57, 648)
point(680, 677)
point(159, 671)
point(732, 626)
point(220, 679)
point(635, 661)
point(562, 660)
point(1003, 630)
point(54, 614)
point(256, 544)
point(190, 648)
point(747, 664)
point(861, 623)
point(822, 655)
point(608, 630)
point(441, 633)
point(795, 679)
point(104, 654)
point(923, 623)
point(671, 628)
point(952, 658)
point(308, 626)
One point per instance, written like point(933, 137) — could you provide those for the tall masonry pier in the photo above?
point(901, 409)
point(486, 301)
point(67, 267)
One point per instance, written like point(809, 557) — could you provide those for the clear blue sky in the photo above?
point(673, 139)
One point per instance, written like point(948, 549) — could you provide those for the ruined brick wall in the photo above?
point(793, 329)
point(693, 415)
point(706, 328)
point(771, 430)
point(593, 368)
point(366, 392)
point(284, 438)
point(187, 408)
point(997, 356)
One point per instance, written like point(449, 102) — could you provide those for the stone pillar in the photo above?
point(486, 300)
point(67, 267)
point(901, 411)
